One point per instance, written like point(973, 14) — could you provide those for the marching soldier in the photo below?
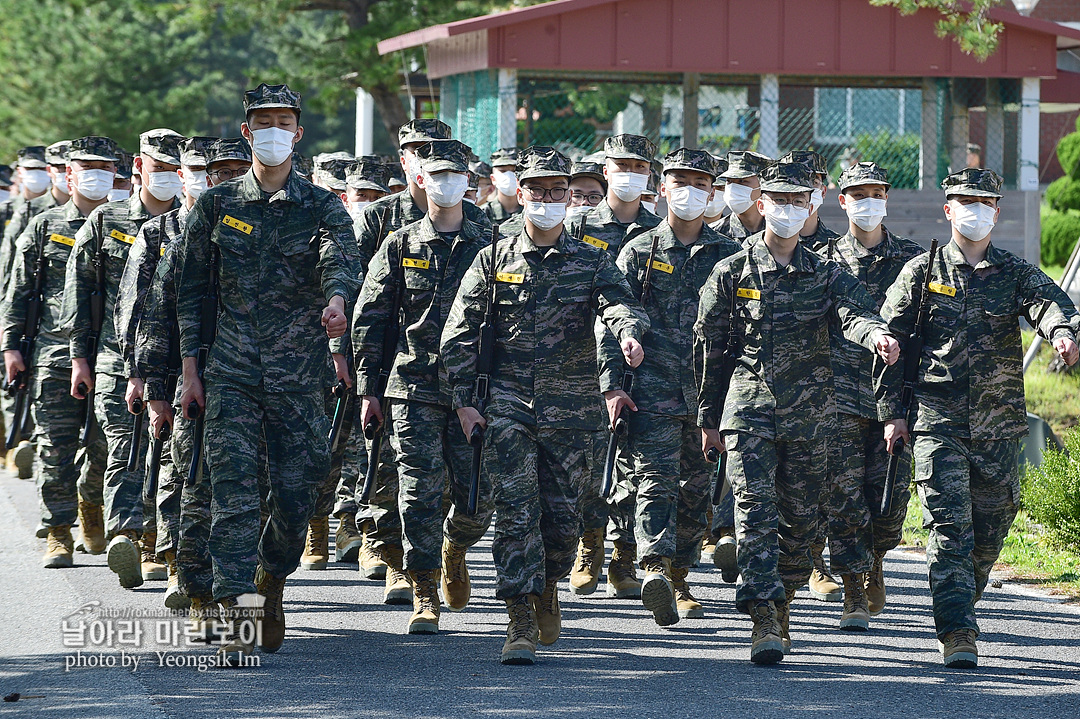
point(814, 232)
point(741, 194)
point(504, 204)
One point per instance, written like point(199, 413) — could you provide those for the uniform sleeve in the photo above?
point(80, 279)
point(615, 305)
point(609, 356)
point(898, 312)
point(339, 264)
point(366, 230)
point(11, 234)
point(156, 326)
point(854, 308)
point(193, 273)
point(372, 313)
point(134, 282)
point(19, 289)
point(461, 334)
point(710, 338)
point(1046, 306)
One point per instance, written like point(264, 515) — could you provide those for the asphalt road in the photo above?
point(345, 654)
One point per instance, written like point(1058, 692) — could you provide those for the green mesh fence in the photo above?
point(469, 104)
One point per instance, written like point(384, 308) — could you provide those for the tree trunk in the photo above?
point(391, 109)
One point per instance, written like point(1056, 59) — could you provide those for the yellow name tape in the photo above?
point(663, 266)
point(942, 289)
point(69, 241)
point(508, 277)
point(412, 262)
point(118, 235)
point(230, 221)
point(748, 293)
point(595, 242)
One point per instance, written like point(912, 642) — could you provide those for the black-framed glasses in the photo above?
point(539, 194)
point(225, 174)
point(592, 198)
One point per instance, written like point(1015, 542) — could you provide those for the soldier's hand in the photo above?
point(80, 375)
point(341, 367)
point(135, 389)
point(161, 414)
point(887, 347)
point(711, 439)
point(333, 318)
point(1065, 347)
point(192, 389)
point(896, 429)
point(616, 400)
point(632, 351)
point(370, 408)
point(469, 418)
point(13, 363)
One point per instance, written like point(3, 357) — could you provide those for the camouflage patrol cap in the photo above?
point(652, 189)
point(721, 168)
point(56, 153)
point(474, 180)
point(629, 147)
point(161, 144)
point(94, 148)
point(684, 158)
point(864, 173)
point(331, 168)
point(228, 148)
point(397, 174)
point(32, 157)
point(542, 161)
point(813, 160)
point(123, 166)
point(480, 168)
point(193, 151)
point(271, 96)
point(304, 166)
point(5, 175)
point(367, 173)
point(744, 163)
point(438, 155)
point(973, 181)
point(787, 177)
point(423, 130)
point(584, 168)
point(504, 156)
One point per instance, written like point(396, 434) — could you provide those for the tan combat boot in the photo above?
point(724, 556)
point(958, 649)
point(398, 588)
point(59, 549)
point(783, 617)
point(347, 538)
point(622, 581)
point(549, 614)
point(767, 645)
point(91, 528)
point(590, 560)
point(123, 558)
point(371, 560)
point(657, 592)
point(241, 622)
point(23, 459)
point(425, 601)
point(856, 616)
point(456, 585)
point(317, 547)
point(174, 598)
point(708, 549)
point(152, 569)
point(689, 608)
point(822, 585)
point(875, 586)
point(521, 632)
point(273, 610)
point(203, 624)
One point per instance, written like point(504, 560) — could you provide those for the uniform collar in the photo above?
point(801, 261)
point(71, 212)
point(606, 216)
point(994, 257)
point(887, 249)
point(667, 239)
point(291, 192)
point(469, 230)
point(524, 244)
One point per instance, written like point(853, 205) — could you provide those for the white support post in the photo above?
point(928, 156)
point(508, 86)
point(365, 122)
point(769, 144)
point(1028, 173)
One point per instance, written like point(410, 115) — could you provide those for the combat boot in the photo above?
point(724, 556)
point(622, 581)
point(203, 623)
point(123, 558)
point(273, 611)
point(767, 645)
point(958, 649)
point(708, 549)
point(822, 585)
point(856, 616)
point(590, 559)
point(347, 538)
point(152, 569)
point(521, 632)
point(783, 618)
point(91, 528)
point(875, 585)
point(23, 459)
point(425, 601)
point(456, 585)
point(371, 560)
point(241, 629)
point(397, 588)
point(59, 548)
point(549, 614)
point(657, 592)
point(689, 608)
point(174, 598)
point(317, 548)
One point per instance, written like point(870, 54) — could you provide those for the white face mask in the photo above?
point(119, 193)
point(163, 186)
point(545, 215)
point(650, 206)
point(4, 195)
point(59, 181)
point(272, 145)
point(94, 184)
point(505, 181)
point(974, 221)
point(785, 221)
point(356, 209)
point(412, 167)
point(194, 183)
point(35, 180)
point(866, 213)
point(688, 203)
point(446, 189)
point(627, 186)
point(738, 197)
point(716, 205)
point(572, 213)
point(817, 198)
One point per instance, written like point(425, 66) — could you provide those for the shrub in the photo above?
point(1060, 231)
point(899, 154)
point(1068, 152)
point(1063, 194)
point(1051, 493)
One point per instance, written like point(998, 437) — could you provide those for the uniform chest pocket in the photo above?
point(511, 294)
point(296, 244)
point(809, 304)
point(749, 308)
point(1001, 307)
point(117, 249)
point(420, 280)
point(573, 295)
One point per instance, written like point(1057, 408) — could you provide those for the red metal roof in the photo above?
point(848, 38)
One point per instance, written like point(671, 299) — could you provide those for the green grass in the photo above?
point(1055, 272)
point(1053, 396)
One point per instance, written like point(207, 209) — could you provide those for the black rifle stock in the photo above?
point(485, 364)
point(727, 369)
point(207, 333)
point(97, 317)
point(912, 358)
point(341, 408)
point(158, 445)
point(138, 424)
point(20, 386)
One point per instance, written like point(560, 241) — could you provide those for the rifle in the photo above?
point(97, 317)
point(207, 333)
point(20, 386)
point(912, 358)
point(138, 406)
point(485, 363)
point(374, 429)
point(158, 445)
point(721, 486)
point(344, 402)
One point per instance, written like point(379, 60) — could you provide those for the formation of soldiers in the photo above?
point(213, 348)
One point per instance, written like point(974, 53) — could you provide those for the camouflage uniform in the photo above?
point(494, 210)
point(741, 164)
point(969, 410)
point(540, 414)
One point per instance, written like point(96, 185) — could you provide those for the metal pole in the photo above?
point(1067, 279)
